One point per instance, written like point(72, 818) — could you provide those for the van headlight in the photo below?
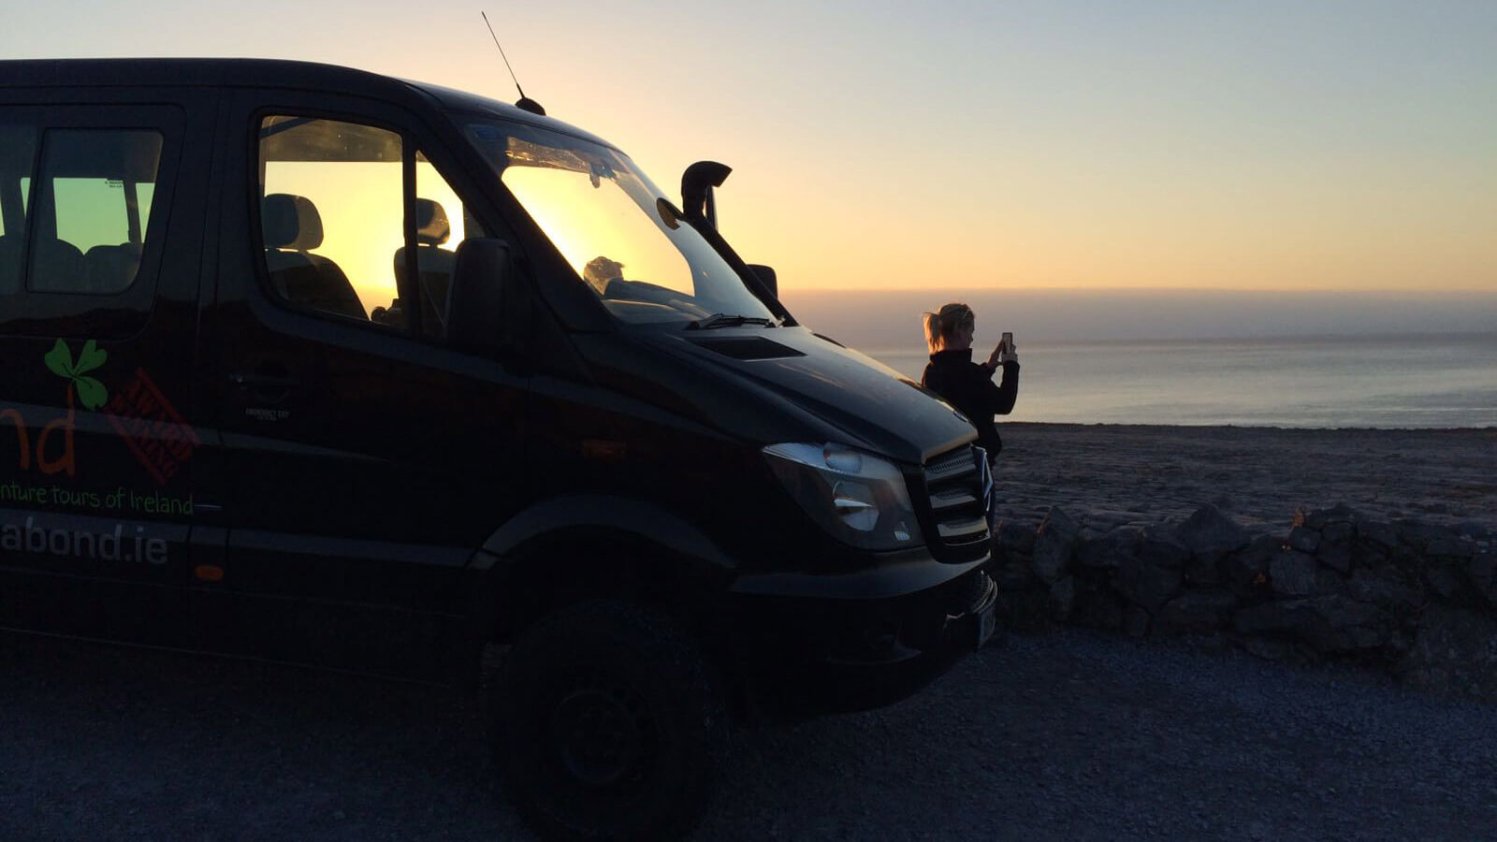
point(860, 499)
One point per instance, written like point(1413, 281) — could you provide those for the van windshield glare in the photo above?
point(604, 216)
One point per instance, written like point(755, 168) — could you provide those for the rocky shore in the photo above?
point(1303, 545)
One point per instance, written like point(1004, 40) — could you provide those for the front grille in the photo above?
point(954, 491)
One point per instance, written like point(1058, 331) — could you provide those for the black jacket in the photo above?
point(969, 387)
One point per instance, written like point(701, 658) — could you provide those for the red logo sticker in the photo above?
point(156, 433)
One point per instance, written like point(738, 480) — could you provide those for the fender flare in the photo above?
point(651, 523)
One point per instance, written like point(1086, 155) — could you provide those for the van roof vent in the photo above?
point(747, 348)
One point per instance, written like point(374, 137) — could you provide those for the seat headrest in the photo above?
point(291, 222)
point(432, 228)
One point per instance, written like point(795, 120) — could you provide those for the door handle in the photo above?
point(263, 381)
point(270, 382)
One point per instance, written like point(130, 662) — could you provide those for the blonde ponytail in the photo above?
point(932, 331)
point(939, 327)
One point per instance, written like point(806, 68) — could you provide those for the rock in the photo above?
point(1206, 610)
point(1203, 571)
point(1478, 532)
point(1292, 573)
point(1057, 522)
point(1208, 532)
point(1304, 539)
point(1330, 624)
point(1335, 550)
point(1349, 640)
point(1051, 560)
point(1013, 537)
point(1344, 625)
point(1445, 580)
point(1450, 545)
point(1337, 514)
point(1062, 599)
point(1328, 581)
point(1378, 534)
point(1112, 549)
point(1386, 587)
point(1418, 534)
point(1147, 585)
point(1014, 575)
point(1053, 545)
point(1454, 652)
point(1161, 547)
point(1483, 575)
point(1246, 571)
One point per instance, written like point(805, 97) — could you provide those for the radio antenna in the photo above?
point(525, 103)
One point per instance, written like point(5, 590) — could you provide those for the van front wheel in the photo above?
point(607, 725)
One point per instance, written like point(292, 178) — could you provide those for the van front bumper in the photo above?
point(821, 645)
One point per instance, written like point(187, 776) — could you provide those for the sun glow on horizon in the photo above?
point(1279, 146)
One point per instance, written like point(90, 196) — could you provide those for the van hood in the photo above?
point(857, 400)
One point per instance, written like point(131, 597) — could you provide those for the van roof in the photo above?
point(260, 73)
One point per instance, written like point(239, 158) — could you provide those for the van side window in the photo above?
point(332, 220)
point(79, 186)
point(93, 200)
point(17, 157)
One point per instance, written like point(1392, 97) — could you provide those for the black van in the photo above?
point(306, 363)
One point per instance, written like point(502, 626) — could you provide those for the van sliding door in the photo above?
point(102, 210)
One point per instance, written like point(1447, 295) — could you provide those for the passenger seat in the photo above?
point(432, 262)
point(57, 266)
point(111, 269)
point(292, 228)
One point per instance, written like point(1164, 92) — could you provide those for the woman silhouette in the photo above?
point(966, 385)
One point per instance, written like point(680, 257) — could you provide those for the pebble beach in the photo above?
point(1259, 476)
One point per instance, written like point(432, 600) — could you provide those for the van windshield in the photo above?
point(616, 229)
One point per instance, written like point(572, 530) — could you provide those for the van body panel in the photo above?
point(347, 488)
point(785, 384)
point(854, 394)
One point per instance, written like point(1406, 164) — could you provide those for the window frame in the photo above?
point(108, 315)
point(412, 140)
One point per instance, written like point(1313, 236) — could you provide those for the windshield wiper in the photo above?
point(725, 320)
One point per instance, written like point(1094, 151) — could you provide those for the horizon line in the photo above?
point(1212, 290)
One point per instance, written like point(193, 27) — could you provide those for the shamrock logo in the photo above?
point(90, 391)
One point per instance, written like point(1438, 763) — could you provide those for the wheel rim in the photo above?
point(602, 733)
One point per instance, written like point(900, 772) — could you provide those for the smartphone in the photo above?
point(1008, 340)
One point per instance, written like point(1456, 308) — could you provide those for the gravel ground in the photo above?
point(1063, 736)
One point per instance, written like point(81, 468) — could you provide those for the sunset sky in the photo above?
point(1265, 145)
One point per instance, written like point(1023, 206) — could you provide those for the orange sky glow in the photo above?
point(1275, 145)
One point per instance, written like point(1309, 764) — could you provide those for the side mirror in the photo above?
point(481, 297)
point(766, 277)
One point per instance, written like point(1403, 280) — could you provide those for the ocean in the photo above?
point(1362, 373)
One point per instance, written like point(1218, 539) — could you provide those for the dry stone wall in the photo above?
point(1415, 598)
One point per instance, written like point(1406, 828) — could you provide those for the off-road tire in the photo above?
point(607, 725)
